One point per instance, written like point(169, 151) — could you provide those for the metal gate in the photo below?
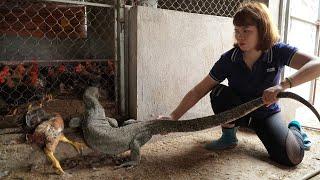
point(302, 30)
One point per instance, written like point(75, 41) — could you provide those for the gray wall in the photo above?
point(170, 52)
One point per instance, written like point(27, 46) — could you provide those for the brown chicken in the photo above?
point(48, 133)
point(20, 85)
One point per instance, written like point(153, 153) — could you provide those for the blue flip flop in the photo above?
point(306, 141)
point(296, 124)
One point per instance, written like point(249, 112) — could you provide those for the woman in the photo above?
point(253, 69)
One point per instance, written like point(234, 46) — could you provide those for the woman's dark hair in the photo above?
point(257, 14)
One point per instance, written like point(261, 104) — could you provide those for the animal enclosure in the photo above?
point(52, 51)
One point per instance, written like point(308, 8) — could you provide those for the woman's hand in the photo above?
point(161, 117)
point(269, 95)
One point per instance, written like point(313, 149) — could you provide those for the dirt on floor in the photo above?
point(182, 156)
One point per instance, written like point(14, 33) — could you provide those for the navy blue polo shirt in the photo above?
point(250, 84)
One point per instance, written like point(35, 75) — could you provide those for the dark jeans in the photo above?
point(284, 145)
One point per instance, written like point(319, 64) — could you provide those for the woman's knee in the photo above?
point(283, 144)
point(289, 154)
point(216, 91)
point(223, 98)
point(294, 149)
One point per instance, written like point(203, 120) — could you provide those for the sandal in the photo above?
point(306, 141)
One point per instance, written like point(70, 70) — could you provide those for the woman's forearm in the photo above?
point(308, 72)
point(189, 100)
point(193, 96)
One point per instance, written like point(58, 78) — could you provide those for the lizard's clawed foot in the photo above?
point(130, 121)
point(128, 165)
point(119, 160)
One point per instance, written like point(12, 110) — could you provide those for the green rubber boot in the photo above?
point(306, 141)
point(228, 140)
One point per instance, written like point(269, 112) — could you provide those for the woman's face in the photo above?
point(246, 37)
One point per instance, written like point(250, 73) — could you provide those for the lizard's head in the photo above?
point(92, 91)
point(89, 94)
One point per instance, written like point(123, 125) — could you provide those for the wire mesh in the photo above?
point(46, 30)
point(226, 8)
point(51, 48)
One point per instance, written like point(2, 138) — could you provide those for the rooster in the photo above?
point(20, 86)
point(48, 132)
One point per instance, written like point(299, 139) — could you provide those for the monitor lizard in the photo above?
point(102, 133)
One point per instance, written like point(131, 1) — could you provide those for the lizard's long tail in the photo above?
point(197, 124)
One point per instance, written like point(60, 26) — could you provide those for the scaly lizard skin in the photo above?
point(103, 134)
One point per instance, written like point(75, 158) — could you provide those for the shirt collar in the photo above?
point(237, 55)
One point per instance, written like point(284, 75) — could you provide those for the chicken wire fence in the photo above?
point(55, 49)
point(226, 8)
